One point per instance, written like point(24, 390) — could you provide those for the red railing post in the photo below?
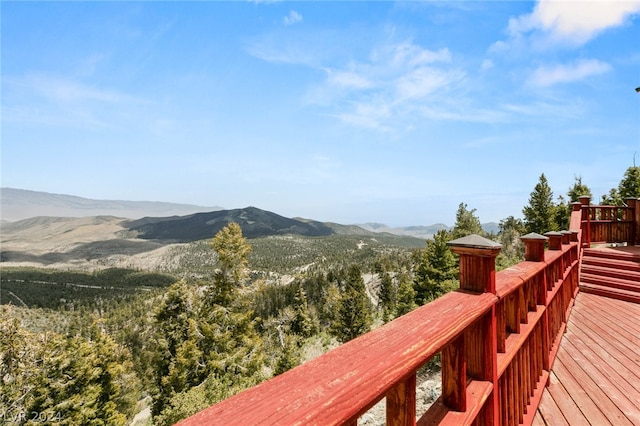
point(534, 247)
point(586, 220)
point(555, 240)
point(479, 347)
point(634, 215)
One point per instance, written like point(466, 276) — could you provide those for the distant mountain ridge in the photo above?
point(425, 232)
point(185, 222)
point(253, 221)
point(18, 204)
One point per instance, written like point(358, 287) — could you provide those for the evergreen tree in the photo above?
point(406, 296)
point(436, 269)
point(629, 187)
point(330, 304)
point(578, 190)
point(289, 357)
point(563, 209)
point(70, 380)
point(302, 323)
point(387, 296)
point(354, 309)
point(233, 252)
point(511, 229)
point(540, 213)
point(467, 223)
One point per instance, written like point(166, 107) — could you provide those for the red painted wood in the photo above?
point(401, 403)
point(454, 375)
point(478, 393)
point(347, 381)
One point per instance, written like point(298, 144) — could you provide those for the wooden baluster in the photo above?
point(454, 375)
point(401, 403)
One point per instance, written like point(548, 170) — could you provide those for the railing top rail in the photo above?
point(342, 384)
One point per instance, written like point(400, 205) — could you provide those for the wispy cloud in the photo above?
point(58, 101)
point(292, 18)
point(57, 89)
point(392, 81)
point(545, 76)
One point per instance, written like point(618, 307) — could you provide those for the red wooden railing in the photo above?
point(610, 224)
point(497, 335)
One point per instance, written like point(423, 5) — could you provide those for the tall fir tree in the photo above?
point(354, 309)
point(540, 213)
point(467, 223)
point(436, 269)
point(629, 187)
point(302, 322)
point(233, 252)
point(406, 296)
point(387, 296)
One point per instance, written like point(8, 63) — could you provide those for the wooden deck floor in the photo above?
point(595, 379)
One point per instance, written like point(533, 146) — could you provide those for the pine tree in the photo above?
point(406, 296)
point(563, 209)
point(436, 269)
point(629, 187)
point(467, 223)
point(233, 252)
point(511, 229)
point(578, 190)
point(354, 308)
point(302, 323)
point(387, 296)
point(540, 213)
point(330, 302)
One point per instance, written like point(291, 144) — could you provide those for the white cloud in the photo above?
point(545, 76)
point(292, 18)
point(575, 22)
point(423, 82)
point(388, 86)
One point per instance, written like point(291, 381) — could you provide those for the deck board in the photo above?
point(596, 375)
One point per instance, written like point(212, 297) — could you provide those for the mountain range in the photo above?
point(17, 204)
point(153, 220)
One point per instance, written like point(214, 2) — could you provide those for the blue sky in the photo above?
point(352, 112)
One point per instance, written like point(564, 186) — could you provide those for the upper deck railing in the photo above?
point(611, 224)
point(497, 336)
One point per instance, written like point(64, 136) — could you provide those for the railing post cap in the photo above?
point(532, 236)
point(576, 205)
point(553, 234)
point(476, 245)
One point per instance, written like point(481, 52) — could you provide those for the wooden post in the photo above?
point(478, 274)
point(586, 221)
point(634, 206)
point(477, 262)
point(574, 236)
point(555, 240)
point(566, 237)
point(534, 247)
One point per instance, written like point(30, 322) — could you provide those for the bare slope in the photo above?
point(84, 243)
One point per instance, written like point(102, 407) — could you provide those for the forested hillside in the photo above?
point(224, 313)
